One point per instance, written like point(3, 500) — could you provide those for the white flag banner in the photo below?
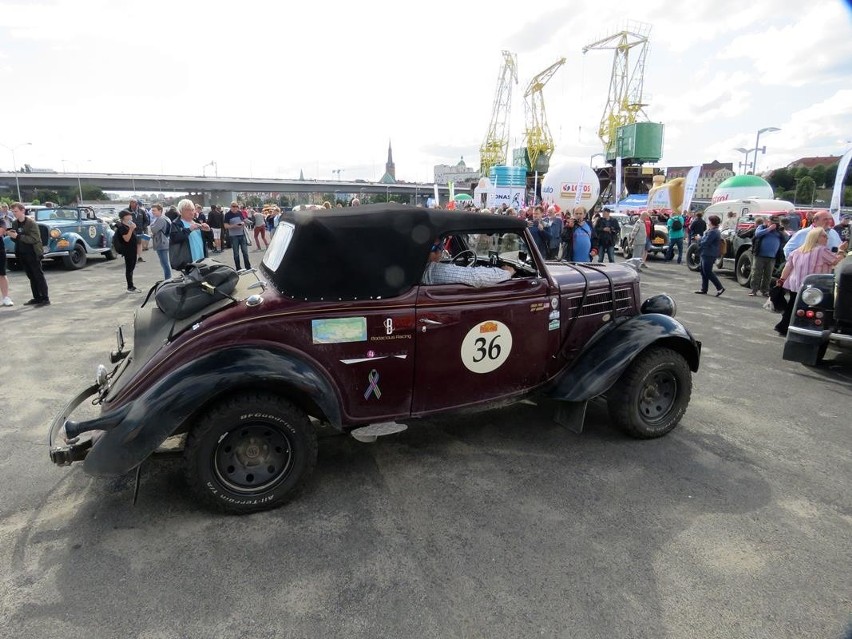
point(452, 186)
point(580, 185)
point(837, 194)
point(689, 187)
point(437, 198)
point(617, 182)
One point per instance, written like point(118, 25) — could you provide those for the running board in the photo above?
point(368, 434)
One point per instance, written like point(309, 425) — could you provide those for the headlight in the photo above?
point(54, 233)
point(662, 304)
point(812, 296)
point(61, 244)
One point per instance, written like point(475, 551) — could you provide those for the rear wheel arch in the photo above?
point(298, 398)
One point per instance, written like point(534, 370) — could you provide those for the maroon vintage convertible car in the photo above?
point(337, 326)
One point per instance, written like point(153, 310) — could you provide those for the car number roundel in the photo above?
point(486, 346)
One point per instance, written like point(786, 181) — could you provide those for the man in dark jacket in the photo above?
point(28, 252)
point(608, 231)
point(697, 227)
point(185, 241)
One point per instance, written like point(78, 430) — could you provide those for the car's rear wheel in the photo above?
point(626, 249)
point(693, 257)
point(744, 267)
point(110, 254)
point(75, 259)
point(249, 453)
point(651, 396)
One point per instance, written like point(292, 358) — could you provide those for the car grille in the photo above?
point(599, 303)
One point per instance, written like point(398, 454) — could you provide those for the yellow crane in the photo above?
point(539, 139)
point(496, 144)
point(624, 104)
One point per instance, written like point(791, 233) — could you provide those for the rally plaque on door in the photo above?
point(486, 346)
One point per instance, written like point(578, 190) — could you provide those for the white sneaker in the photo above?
point(7, 301)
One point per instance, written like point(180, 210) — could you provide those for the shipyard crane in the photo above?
point(494, 148)
point(624, 104)
point(539, 139)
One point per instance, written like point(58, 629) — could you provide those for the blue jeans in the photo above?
point(707, 274)
point(163, 254)
point(670, 253)
point(239, 242)
point(609, 251)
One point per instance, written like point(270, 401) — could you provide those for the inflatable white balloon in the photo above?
point(562, 181)
point(743, 186)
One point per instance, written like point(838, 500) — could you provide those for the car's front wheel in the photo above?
point(693, 257)
point(744, 267)
point(651, 396)
point(249, 453)
point(75, 259)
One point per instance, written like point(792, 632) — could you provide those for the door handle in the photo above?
point(428, 322)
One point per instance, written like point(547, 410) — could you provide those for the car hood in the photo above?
point(570, 276)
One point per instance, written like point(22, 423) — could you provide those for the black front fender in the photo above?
point(145, 423)
point(610, 352)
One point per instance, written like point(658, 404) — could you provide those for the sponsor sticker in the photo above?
point(553, 325)
point(339, 330)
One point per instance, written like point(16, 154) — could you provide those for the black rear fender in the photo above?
point(170, 406)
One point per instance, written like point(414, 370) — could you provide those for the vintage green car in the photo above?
point(70, 233)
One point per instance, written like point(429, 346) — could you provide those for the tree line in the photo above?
point(799, 185)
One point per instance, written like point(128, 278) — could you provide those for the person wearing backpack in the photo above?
point(676, 234)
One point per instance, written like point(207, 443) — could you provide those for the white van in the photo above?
point(748, 208)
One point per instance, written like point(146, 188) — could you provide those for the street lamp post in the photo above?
point(769, 129)
point(746, 152)
point(12, 149)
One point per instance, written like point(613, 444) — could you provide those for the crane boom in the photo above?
point(494, 148)
point(539, 139)
point(624, 102)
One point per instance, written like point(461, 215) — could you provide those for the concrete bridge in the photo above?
point(216, 190)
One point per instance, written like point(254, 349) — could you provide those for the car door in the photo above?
point(91, 229)
point(476, 345)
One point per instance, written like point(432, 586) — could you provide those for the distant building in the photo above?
point(390, 168)
point(457, 173)
point(711, 176)
point(810, 163)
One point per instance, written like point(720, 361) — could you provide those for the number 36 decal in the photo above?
point(486, 346)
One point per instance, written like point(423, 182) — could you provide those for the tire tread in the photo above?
point(209, 420)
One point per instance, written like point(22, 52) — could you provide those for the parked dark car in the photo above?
point(71, 234)
point(738, 255)
point(336, 326)
point(822, 315)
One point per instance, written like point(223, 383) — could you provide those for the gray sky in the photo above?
point(269, 89)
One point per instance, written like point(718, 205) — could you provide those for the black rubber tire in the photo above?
point(657, 374)
point(626, 250)
point(252, 427)
point(76, 259)
point(110, 255)
point(745, 262)
point(693, 258)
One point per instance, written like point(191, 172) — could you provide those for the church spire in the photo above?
point(390, 168)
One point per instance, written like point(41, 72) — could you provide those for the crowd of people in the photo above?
point(185, 233)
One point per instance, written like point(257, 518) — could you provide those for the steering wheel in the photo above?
point(469, 255)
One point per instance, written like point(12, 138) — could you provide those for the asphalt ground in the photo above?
point(502, 524)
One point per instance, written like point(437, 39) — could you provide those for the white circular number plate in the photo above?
point(486, 346)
